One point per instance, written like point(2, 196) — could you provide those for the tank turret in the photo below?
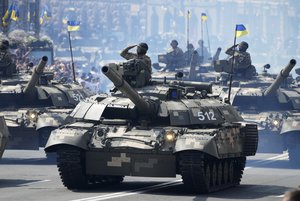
point(284, 73)
point(37, 72)
point(124, 87)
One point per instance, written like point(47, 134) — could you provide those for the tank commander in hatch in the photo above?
point(242, 59)
point(7, 65)
point(175, 56)
point(144, 74)
point(141, 51)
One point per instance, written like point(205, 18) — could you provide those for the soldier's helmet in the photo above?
point(243, 46)
point(142, 48)
point(174, 43)
point(190, 46)
point(4, 44)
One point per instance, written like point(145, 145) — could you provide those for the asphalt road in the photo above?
point(29, 176)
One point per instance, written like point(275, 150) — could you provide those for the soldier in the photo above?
point(141, 51)
point(7, 66)
point(174, 57)
point(205, 55)
point(242, 59)
point(191, 56)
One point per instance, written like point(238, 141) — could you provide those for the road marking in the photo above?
point(35, 182)
point(269, 160)
point(132, 192)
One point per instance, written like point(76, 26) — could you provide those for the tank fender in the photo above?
point(50, 120)
point(68, 136)
point(290, 125)
point(4, 134)
point(204, 143)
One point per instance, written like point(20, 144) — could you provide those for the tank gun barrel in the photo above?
point(37, 71)
point(284, 73)
point(217, 54)
point(197, 85)
point(125, 88)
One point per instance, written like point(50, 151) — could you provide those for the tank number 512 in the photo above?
point(206, 116)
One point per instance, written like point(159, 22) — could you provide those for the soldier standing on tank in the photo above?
point(242, 59)
point(7, 66)
point(141, 51)
point(175, 56)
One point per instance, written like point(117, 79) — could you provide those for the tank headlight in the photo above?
point(32, 116)
point(170, 136)
point(275, 123)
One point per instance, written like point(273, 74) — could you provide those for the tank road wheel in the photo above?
point(225, 172)
point(207, 175)
point(214, 175)
point(230, 172)
point(219, 173)
point(71, 167)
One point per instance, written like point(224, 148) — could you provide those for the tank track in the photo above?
point(71, 167)
point(202, 173)
point(70, 163)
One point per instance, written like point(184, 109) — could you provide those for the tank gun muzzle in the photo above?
point(284, 73)
point(37, 72)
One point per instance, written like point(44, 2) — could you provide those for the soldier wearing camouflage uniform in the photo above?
point(141, 51)
point(7, 66)
point(242, 59)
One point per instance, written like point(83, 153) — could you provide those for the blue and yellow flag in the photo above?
point(7, 16)
point(203, 16)
point(45, 14)
point(15, 12)
point(240, 30)
point(73, 25)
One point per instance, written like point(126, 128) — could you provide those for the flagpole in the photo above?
point(232, 63)
point(73, 67)
point(208, 42)
point(202, 47)
point(188, 28)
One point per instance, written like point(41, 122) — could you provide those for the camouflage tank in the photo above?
point(3, 135)
point(267, 101)
point(158, 130)
point(33, 105)
point(195, 71)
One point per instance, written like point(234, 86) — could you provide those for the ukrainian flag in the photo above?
point(15, 13)
point(203, 16)
point(240, 30)
point(7, 16)
point(73, 25)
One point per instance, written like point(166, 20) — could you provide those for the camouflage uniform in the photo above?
point(127, 55)
point(242, 59)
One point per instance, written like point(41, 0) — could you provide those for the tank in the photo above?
point(33, 105)
point(268, 101)
point(4, 134)
point(160, 129)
